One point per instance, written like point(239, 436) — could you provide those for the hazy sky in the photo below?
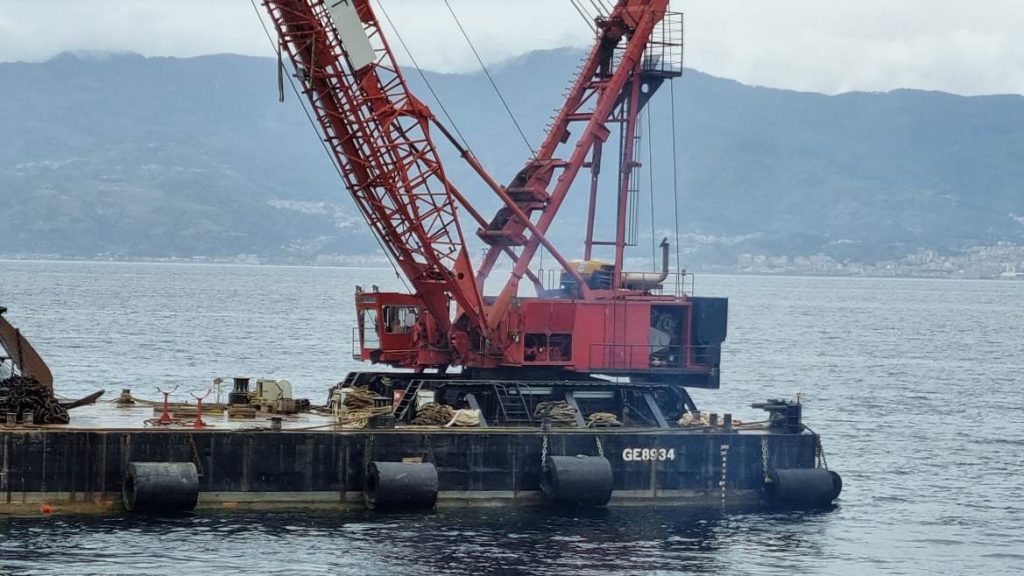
point(823, 45)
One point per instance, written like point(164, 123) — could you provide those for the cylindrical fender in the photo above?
point(160, 487)
point(803, 488)
point(400, 486)
point(577, 480)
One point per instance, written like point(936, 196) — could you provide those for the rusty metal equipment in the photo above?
point(165, 418)
point(198, 423)
point(28, 398)
point(26, 383)
point(21, 353)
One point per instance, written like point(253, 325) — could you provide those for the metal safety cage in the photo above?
point(664, 54)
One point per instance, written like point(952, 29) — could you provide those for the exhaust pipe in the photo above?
point(648, 280)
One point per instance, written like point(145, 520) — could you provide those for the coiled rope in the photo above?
point(557, 411)
point(433, 414)
point(436, 414)
point(357, 407)
point(602, 419)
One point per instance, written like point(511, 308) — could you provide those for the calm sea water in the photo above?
point(914, 385)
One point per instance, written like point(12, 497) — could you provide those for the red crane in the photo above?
point(600, 319)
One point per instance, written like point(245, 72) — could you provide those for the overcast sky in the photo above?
point(829, 46)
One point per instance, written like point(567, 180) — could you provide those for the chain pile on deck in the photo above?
point(20, 395)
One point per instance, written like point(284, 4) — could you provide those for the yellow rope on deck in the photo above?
point(557, 411)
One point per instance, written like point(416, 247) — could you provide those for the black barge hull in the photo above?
point(72, 471)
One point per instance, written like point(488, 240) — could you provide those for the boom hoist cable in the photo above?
point(422, 75)
point(583, 14)
point(650, 184)
point(379, 133)
point(675, 169)
point(464, 148)
point(490, 78)
point(276, 46)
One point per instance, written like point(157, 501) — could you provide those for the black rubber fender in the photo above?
point(160, 487)
point(577, 481)
point(803, 488)
point(400, 486)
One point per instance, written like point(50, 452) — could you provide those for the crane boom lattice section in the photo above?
point(379, 136)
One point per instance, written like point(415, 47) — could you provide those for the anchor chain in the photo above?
point(544, 453)
point(195, 455)
point(600, 448)
point(819, 450)
point(822, 461)
point(764, 460)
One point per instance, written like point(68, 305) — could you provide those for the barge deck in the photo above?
point(310, 464)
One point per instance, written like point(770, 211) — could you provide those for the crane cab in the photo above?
point(397, 329)
point(387, 327)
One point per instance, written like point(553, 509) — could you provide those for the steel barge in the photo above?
point(305, 465)
point(575, 396)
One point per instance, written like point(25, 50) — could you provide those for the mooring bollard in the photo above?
point(199, 410)
point(165, 416)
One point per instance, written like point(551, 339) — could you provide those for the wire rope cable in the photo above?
point(650, 187)
point(675, 168)
point(490, 78)
point(583, 14)
point(309, 116)
point(600, 7)
point(423, 76)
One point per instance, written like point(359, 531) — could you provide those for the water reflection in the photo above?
point(479, 541)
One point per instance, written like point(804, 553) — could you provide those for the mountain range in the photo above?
point(118, 155)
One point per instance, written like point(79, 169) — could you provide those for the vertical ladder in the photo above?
point(512, 408)
point(406, 402)
point(633, 191)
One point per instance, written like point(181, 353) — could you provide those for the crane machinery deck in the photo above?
point(574, 395)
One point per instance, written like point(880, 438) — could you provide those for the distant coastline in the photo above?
point(1002, 261)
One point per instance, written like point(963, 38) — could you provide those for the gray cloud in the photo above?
point(962, 47)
